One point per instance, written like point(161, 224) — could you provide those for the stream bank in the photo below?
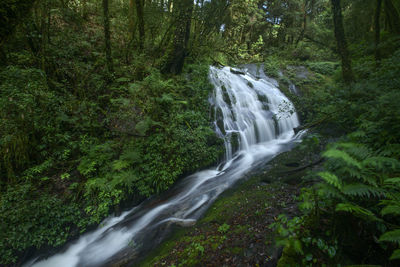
point(235, 230)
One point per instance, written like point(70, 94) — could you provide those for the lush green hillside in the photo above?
point(104, 103)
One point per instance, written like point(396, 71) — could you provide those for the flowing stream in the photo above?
point(256, 121)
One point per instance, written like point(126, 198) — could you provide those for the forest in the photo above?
point(104, 104)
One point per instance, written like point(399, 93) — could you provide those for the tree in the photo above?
point(377, 30)
point(139, 13)
point(392, 17)
point(341, 41)
point(183, 12)
point(107, 41)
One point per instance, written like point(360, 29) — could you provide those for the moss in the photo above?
point(236, 250)
point(289, 258)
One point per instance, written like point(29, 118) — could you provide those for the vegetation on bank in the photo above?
point(77, 141)
point(351, 204)
point(104, 103)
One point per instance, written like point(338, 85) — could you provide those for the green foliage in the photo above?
point(92, 148)
point(357, 193)
point(294, 236)
point(33, 218)
point(224, 228)
point(325, 68)
point(272, 67)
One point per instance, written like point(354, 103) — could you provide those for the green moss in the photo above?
point(289, 258)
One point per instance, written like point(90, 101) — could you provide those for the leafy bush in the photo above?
point(30, 217)
point(325, 68)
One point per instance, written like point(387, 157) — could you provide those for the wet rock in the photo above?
point(239, 72)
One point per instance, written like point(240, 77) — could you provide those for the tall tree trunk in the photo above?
point(183, 10)
point(84, 9)
point(107, 41)
point(131, 18)
point(132, 29)
point(140, 17)
point(392, 17)
point(303, 30)
point(377, 31)
point(341, 41)
point(169, 5)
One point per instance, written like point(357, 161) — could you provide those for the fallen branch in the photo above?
point(305, 167)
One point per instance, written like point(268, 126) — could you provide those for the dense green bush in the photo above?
point(32, 218)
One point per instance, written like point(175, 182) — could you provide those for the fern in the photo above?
point(342, 155)
point(392, 181)
point(391, 236)
point(354, 173)
point(357, 211)
point(120, 165)
point(356, 150)
point(328, 191)
point(369, 180)
point(391, 209)
point(382, 163)
point(362, 190)
point(392, 150)
point(331, 179)
point(395, 255)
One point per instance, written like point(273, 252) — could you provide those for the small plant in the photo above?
point(223, 229)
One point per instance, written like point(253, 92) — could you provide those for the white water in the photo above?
point(257, 116)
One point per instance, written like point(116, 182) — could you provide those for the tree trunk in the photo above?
point(84, 9)
point(303, 30)
point(183, 12)
point(107, 36)
point(377, 31)
point(341, 41)
point(140, 17)
point(169, 5)
point(392, 17)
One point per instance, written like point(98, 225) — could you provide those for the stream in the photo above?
point(255, 120)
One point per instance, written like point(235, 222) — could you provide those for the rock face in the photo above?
point(301, 72)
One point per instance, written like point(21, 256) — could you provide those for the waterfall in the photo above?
point(252, 109)
point(254, 119)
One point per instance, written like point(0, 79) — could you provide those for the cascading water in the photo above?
point(255, 120)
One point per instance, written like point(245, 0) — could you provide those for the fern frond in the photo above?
point(331, 179)
point(362, 190)
point(392, 181)
point(358, 151)
point(357, 211)
point(342, 155)
point(369, 180)
point(382, 163)
point(391, 209)
point(391, 236)
point(327, 191)
point(390, 150)
point(353, 172)
point(395, 255)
